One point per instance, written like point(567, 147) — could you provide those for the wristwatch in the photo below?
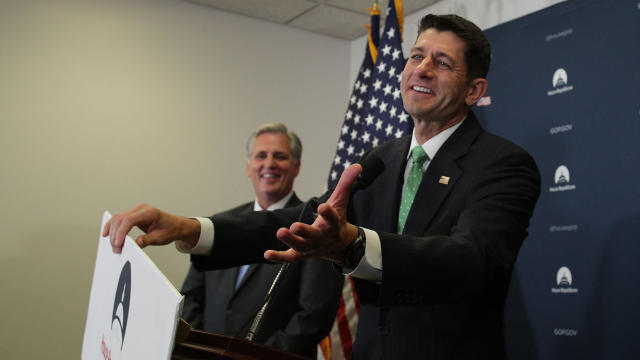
point(354, 252)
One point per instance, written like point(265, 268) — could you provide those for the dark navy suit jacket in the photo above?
point(445, 279)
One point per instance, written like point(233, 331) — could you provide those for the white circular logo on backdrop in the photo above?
point(563, 277)
point(562, 175)
point(560, 78)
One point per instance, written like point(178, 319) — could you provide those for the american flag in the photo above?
point(375, 114)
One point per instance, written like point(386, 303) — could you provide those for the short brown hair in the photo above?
point(477, 53)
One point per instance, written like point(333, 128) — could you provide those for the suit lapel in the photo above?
point(441, 177)
point(293, 201)
point(245, 279)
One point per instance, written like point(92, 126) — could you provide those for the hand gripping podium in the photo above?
point(195, 345)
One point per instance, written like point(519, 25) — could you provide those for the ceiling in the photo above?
point(344, 19)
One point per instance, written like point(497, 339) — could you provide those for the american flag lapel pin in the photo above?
point(444, 180)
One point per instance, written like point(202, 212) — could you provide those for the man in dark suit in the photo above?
point(225, 301)
point(432, 241)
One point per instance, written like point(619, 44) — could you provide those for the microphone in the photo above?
point(372, 167)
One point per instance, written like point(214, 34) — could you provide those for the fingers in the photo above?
point(140, 241)
point(284, 256)
point(329, 215)
point(120, 224)
point(116, 248)
point(295, 237)
point(342, 191)
point(120, 232)
point(151, 238)
point(292, 240)
point(107, 226)
point(111, 229)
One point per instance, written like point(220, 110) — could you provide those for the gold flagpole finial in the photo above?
point(375, 9)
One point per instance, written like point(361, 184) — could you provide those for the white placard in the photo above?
point(133, 308)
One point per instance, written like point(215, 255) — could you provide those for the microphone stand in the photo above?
point(372, 166)
point(257, 320)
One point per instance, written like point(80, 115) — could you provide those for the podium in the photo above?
point(195, 345)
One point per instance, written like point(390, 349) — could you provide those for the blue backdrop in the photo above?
point(565, 85)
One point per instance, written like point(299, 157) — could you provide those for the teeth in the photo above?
point(422, 89)
point(268, 176)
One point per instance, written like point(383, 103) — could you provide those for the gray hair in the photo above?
point(277, 128)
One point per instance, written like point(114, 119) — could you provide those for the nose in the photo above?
point(425, 68)
point(270, 161)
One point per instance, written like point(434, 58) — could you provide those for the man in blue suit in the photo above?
point(431, 242)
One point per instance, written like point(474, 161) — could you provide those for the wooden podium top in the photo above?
point(205, 345)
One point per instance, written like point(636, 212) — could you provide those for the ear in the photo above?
point(477, 89)
point(248, 168)
point(297, 167)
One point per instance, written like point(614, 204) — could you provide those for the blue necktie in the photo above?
point(241, 271)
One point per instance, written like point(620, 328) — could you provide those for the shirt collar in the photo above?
point(276, 205)
point(432, 145)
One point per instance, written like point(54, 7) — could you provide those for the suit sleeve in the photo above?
point(318, 300)
point(243, 238)
point(471, 247)
point(193, 290)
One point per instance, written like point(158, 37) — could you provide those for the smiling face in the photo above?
point(435, 86)
point(272, 168)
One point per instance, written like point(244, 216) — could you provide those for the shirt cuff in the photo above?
point(370, 266)
point(205, 241)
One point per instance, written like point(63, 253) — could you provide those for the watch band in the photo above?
point(354, 252)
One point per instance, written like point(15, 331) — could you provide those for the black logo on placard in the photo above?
point(120, 313)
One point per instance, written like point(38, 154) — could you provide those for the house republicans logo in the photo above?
point(560, 82)
point(114, 339)
point(562, 180)
point(564, 280)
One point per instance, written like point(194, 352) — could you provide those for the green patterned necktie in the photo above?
point(411, 185)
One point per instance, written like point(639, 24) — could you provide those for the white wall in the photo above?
point(484, 13)
point(105, 104)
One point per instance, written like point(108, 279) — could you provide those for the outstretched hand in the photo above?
point(161, 228)
point(329, 234)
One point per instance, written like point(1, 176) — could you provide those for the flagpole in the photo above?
point(374, 115)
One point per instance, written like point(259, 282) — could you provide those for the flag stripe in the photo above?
point(343, 326)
